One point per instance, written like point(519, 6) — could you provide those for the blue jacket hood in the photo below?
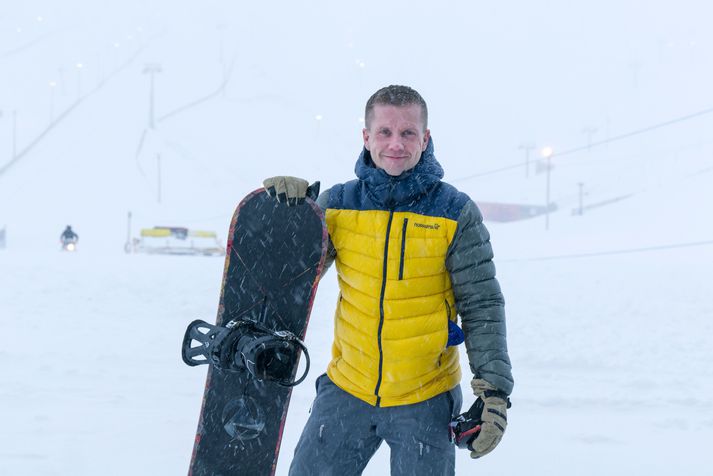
point(406, 188)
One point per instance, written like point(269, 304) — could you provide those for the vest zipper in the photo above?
point(381, 307)
point(403, 249)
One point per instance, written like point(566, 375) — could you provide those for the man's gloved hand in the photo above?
point(290, 190)
point(494, 417)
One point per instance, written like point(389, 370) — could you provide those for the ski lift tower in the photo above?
point(151, 69)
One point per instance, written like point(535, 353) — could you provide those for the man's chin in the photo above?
point(394, 168)
point(394, 171)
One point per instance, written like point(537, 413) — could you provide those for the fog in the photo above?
point(603, 348)
point(494, 75)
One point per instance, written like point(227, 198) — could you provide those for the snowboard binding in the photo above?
point(245, 345)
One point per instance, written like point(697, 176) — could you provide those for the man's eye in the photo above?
point(409, 133)
point(385, 132)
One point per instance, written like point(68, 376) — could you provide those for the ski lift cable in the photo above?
point(611, 252)
point(207, 97)
point(64, 114)
point(634, 133)
point(629, 192)
point(593, 144)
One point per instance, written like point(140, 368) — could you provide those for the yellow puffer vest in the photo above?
point(391, 322)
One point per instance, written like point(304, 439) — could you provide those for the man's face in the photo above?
point(396, 137)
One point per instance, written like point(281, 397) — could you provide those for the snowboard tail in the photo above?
point(274, 259)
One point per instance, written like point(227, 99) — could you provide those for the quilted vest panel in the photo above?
point(391, 321)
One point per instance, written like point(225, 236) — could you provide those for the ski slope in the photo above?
point(609, 313)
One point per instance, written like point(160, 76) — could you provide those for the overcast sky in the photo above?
point(495, 74)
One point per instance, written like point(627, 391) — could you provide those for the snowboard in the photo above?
point(274, 258)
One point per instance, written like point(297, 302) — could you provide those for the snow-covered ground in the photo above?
point(609, 313)
point(611, 355)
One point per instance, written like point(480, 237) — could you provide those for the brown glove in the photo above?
point(494, 417)
point(290, 190)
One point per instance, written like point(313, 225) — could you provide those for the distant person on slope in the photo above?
point(411, 254)
point(68, 236)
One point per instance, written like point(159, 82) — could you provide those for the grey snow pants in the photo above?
point(343, 433)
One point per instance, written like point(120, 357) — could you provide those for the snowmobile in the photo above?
point(69, 239)
point(69, 244)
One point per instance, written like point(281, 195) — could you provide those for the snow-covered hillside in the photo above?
point(609, 313)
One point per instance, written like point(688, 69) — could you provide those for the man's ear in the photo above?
point(365, 136)
point(426, 138)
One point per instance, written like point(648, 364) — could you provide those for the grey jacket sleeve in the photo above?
point(479, 300)
point(323, 201)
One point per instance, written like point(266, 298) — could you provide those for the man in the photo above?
point(68, 236)
point(411, 254)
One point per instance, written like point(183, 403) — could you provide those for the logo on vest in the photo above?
point(435, 226)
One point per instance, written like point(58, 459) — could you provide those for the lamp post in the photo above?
point(61, 81)
point(52, 85)
point(318, 121)
point(158, 174)
point(80, 66)
point(221, 50)
point(14, 134)
point(547, 153)
point(589, 131)
point(151, 69)
point(527, 147)
point(100, 69)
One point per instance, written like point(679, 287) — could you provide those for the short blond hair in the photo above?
point(395, 95)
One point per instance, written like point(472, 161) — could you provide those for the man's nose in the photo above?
point(396, 144)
